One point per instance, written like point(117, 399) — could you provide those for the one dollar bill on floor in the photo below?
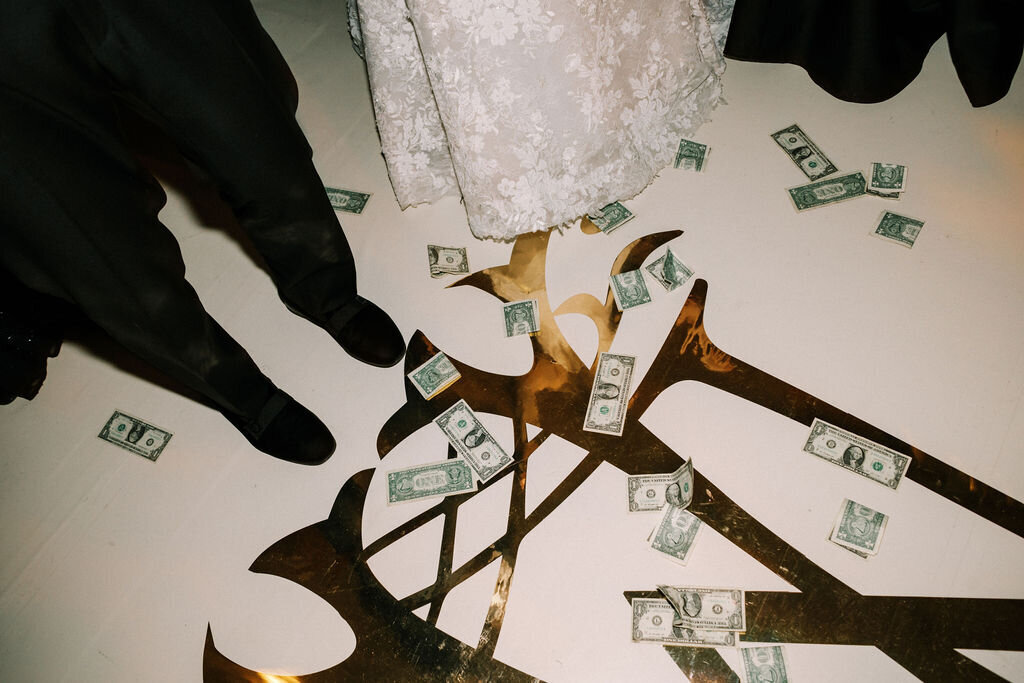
point(716, 609)
point(669, 271)
point(606, 408)
point(803, 152)
point(521, 317)
point(902, 230)
point(888, 177)
point(434, 376)
point(691, 155)
point(829, 191)
point(134, 435)
point(472, 441)
point(350, 201)
point(611, 217)
point(857, 454)
point(433, 480)
point(650, 492)
point(629, 289)
point(446, 260)
point(765, 664)
point(859, 528)
point(654, 622)
point(674, 536)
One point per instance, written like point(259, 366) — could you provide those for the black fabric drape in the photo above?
point(869, 50)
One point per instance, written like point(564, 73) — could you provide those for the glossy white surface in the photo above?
point(113, 566)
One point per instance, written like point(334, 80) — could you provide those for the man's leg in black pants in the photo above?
point(210, 76)
point(80, 223)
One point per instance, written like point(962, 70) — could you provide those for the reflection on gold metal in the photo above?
point(329, 558)
point(587, 226)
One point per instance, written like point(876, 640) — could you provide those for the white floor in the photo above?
point(113, 566)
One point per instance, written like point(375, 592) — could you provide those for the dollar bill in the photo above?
point(805, 154)
point(132, 434)
point(650, 492)
point(710, 609)
point(669, 271)
point(887, 177)
point(857, 454)
point(630, 290)
point(674, 536)
point(472, 441)
point(837, 189)
point(653, 623)
point(435, 480)
point(522, 317)
point(691, 155)
point(447, 260)
point(858, 527)
point(606, 409)
point(899, 229)
point(347, 200)
point(764, 665)
point(611, 217)
point(434, 376)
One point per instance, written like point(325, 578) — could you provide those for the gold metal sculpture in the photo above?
point(329, 558)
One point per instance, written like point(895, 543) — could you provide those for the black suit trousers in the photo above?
point(78, 215)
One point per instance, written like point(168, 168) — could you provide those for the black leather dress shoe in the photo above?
point(287, 430)
point(365, 331)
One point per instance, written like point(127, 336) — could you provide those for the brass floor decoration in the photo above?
point(328, 558)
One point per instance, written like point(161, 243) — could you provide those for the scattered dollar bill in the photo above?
point(611, 217)
point(434, 376)
point(675, 533)
point(899, 229)
point(606, 409)
point(822, 192)
point(630, 290)
point(650, 492)
point(435, 480)
point(764, 664)
point(522, 317)
point(707, 608)
point(472, 441)
point(888, 177)
point(804, 153)
point(347, 200)
point(858, 528)
point(447, 260)
point(653, 623)
point(670, 271)
point(710, 609)
point(857, 454)
point(132, 434)
point(883, 195)
point(691, 155)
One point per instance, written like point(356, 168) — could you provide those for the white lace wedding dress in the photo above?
point(536, 112)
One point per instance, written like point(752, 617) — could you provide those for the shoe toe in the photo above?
point(287, 430)
point(372, 337)
point(298, 436)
